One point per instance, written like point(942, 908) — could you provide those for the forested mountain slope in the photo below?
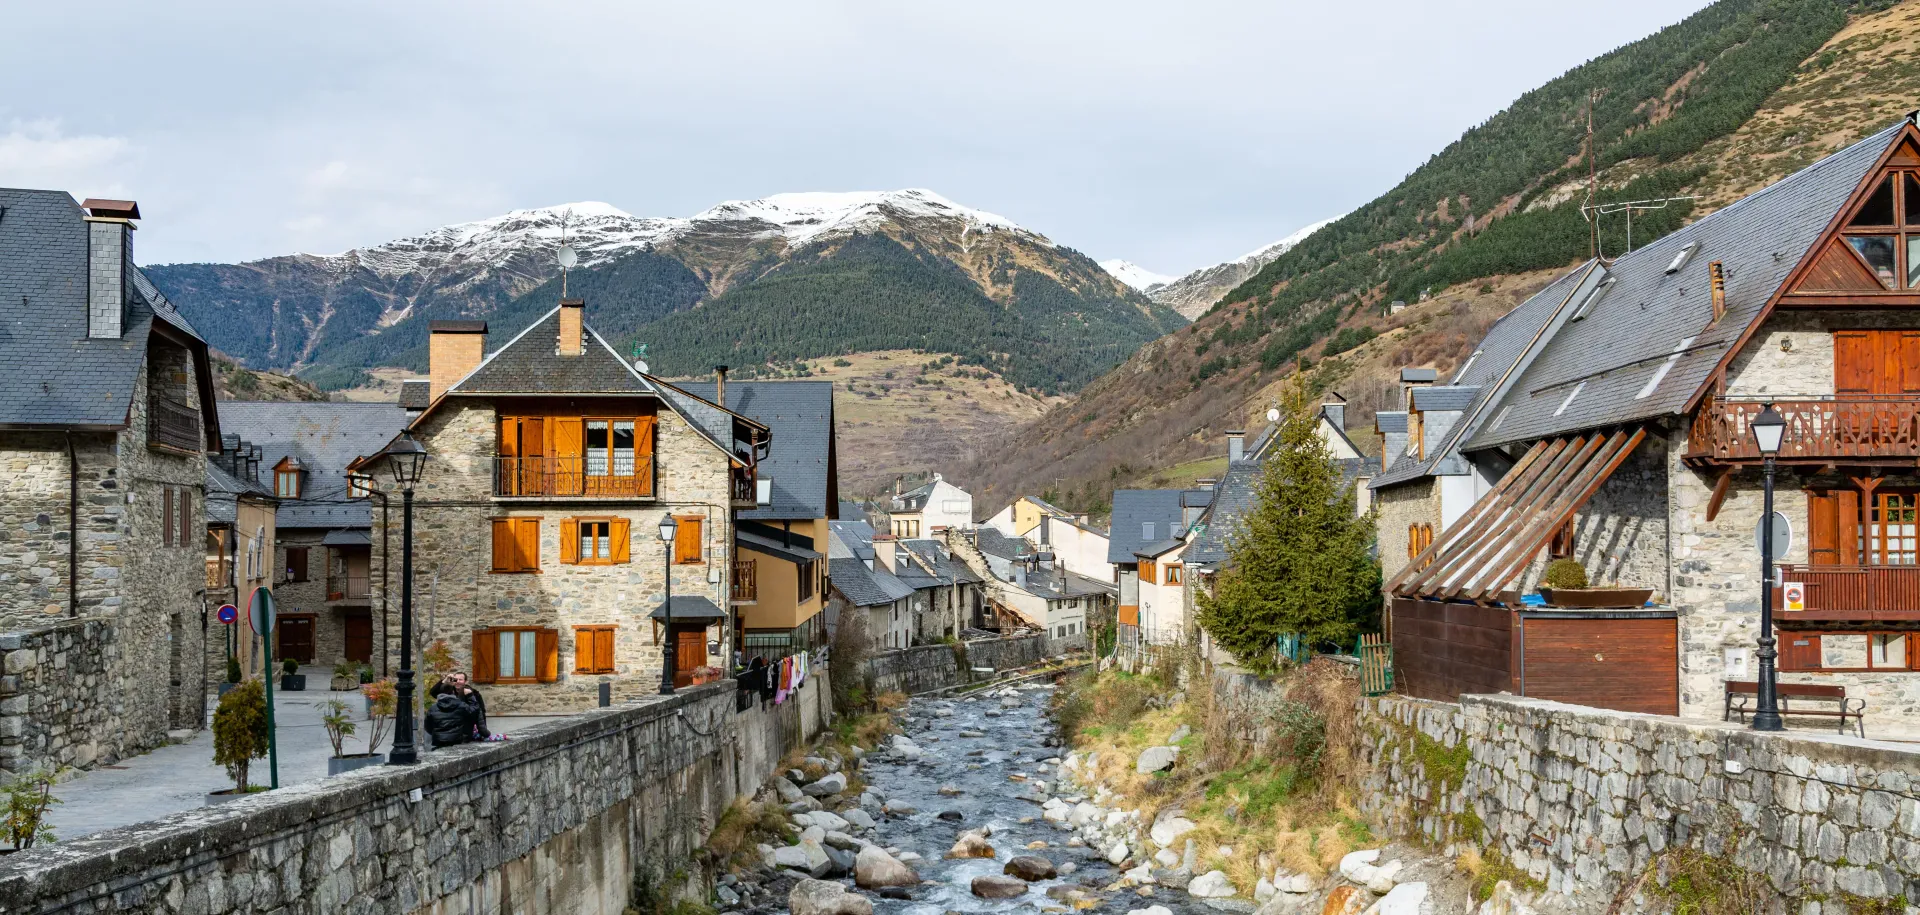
point(1726, 101)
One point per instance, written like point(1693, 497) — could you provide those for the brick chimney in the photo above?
point(573, 313)
point(109, 265)
point(454, 348)
point(720, 385)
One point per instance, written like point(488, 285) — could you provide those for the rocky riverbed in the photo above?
point(976, 808)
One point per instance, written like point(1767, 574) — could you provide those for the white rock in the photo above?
point(1358, 859)
point(1056, 814)
point(1211, 885)
point(1117, 853)
point(1083, 813)
point(1156, 759)
point(822, 897)
point(1167, 830)
point(1152, 910)
point(873, 868)
point(788, 791)
point(1505, 900)
point(1166, 858)
point(1263, 890)
point(833, 783)
point(792, 856)
point(1142, 875)
point(1226, 851)
point(858, 818)
point(1382, 881)
point(1293, 883)
point(1115, 818)
point(1406, 899)
point(830, 821)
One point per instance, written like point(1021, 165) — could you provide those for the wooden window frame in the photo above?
point(699, 554)
point(1817, 649)
point(1561, 546)
point(514, 523)
point(1875, 526)
point(286, 484)
point(546, 650)
point(1903, 233)
point(809, 572)
point(573, 535)
point(586, 659)
point(1176, 573)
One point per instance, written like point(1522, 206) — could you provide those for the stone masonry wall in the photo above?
point(64, 697)
point(34, 524)
point(1620, 535)
point(1399, 507)
point(1587, 799)
point(931, 667)
point(563, 818)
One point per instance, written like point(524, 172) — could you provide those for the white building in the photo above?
point(928, 509)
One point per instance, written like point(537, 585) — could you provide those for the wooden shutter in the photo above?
point(505, 545)
point(1823, 533)
point(1854, 361)
point(620, 536)
point(603, 650)
point(546, 653)
point(570, 540)
point(687, 539)
point(1146, 572)
point(569, 434)
point(486, 656)
point(529, 542)
point(583, 645)
point(1799, 651)
point(166, 516)
point(1903, 355)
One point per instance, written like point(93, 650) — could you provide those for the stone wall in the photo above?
point(1585, 800)
point(566, 817)
point(1399, 507)
point(1620, 535)
point(930, 667)
point(66, 698)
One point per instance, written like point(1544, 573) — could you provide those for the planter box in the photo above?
point(1596, 598)
point(226, 686)
point(339, 764)
point(343, 684)
point(293, 683)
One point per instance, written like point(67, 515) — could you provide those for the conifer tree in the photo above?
point(1302, 562)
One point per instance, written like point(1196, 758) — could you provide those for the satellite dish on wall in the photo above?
point(568, 257)
point(1273, 414)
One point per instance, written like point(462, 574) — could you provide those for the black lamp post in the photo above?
point(668, 529)
point(1767, 428)
point(407, 457)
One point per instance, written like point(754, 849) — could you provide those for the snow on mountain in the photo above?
point(1135, 275)
point(804, 217)
point(1193, 294)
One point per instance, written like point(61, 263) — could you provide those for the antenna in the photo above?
point(566, 255)
point(1593, 180)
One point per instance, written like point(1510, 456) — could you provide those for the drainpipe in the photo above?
point(73, 530)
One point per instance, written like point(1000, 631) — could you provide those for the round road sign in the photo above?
point(260, 610)
point(228, 613)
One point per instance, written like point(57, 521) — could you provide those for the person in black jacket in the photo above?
point(457, 684)
point(450, 721)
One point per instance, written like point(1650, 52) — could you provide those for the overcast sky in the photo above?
point(1172, 134)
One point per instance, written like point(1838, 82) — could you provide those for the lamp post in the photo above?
point(1767, 428)
point(407, 457)
point(668, 529)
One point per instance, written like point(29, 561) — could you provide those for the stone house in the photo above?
point(552, 465)
point(106, 418)
point(864, 591)
point(1078, 544)
point(240, 551)
point(330, 608)
point(1041, 595)
point(927, 509)
point(1616, 434)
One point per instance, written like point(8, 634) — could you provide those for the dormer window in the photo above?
point(359, 486)
point(286, 478)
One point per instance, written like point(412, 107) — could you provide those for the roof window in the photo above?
point(1593, 297)
point(1570, 396)
point(1680, 259)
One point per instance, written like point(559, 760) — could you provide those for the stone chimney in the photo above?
point(1336, 413)
point(109, 265)
point(572, 320)
point(720, 386)
point(1236, 445)
point(883, 552)
point(1020, 574)
point(454, 348)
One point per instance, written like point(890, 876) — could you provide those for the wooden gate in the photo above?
point(1376, 664)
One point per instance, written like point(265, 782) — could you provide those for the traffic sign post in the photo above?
point(260, 617)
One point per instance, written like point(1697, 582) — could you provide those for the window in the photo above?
point(516, 544)
point(359, 486)
point(1890, 534)
point(593, 649)
point(296, 563)
point(1146, 532)
point(1562, 545)
point(1846, 651)
point(166, 516)
point(1173, 573)
point(687, 541)
point(1884, 233)
point(516, 655)
point(286, 482)
point(907, 528)
point(595, 541)
point(809, 572)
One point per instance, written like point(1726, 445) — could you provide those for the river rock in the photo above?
point(726, 897)
point(1117, 854)
point(1029, 867)
point(788, 791)
point(1383, 880)
point(1211, 885)
point(827, 763)
point(1263, 890)
point(1345, 900)
point(895, 892)
point(1178, 878)
point(1055, 810)
point(971, 844)
point(1083, 813)
point(828, 820)
point(1141, 875)
point(1287, 882)
point(1156, 759)
point(839, 861)
point(803, 805)
point(820, 897)
point(1149, 910)
point(1351, 864)
point(949, 791)
point(905, 747)
point(857, 818)
point(951, 816)
point(795, 857)
point(973, 733)
point(1230, 906)
point(833, 783)
point(996, 886)
point(842, 841)
point(1405, 899)
point(1166, 858)
point(874, 868)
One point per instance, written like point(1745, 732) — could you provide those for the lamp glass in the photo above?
point(667, 528)
point(1768, 429)
point(407, 457)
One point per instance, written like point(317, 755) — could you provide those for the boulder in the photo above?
point(1166, 858)
point(873, 868)
point(788, 791)
point(1211, 885)
point(1156, 759)
point(902, 746)
point(1383, 879)
point(793, 856)
point(820, 897)
point(1263, 890)
point(1180, 733)
point(803, 805)
point(971, 844)
point(1230, 905)
point(949, 791)
point(1029, 867)
point(833, 783)
point(1141, 875)
point(828, 820)
point(1505, 900)
point(1350, 864)
point(842, 841)
point(996, 886)
point(1149, 910)
point(895, 892)
point(1117, 854)
point(951, 816)
point(1345, 900)
point(857, 818)
point(1287, 882)
point(1405, 899)
point(1083, 813)
point(973, 733)
point(839, 861)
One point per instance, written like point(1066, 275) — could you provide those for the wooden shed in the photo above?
point(1618, 659)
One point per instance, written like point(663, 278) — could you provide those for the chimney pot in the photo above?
point(720, 386)
point(572, 326)
point(454, 348)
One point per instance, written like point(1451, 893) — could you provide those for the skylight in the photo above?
point(1593, 297)
point(1570, 396)
point(1680, 259)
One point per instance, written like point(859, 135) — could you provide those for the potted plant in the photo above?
point(364, 674)
point(239, 736)
point(233, 675)
point(382, 700)
point(703, 675)
point(335, 717)
point(345, 676)
point(291, 679)
point(1565, 585)
point(24, 800)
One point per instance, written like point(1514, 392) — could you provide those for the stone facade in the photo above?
point(1620, 535)
point(1585, 800)
point(65, 695)
point(572, 815)
point(455, 591)
point(931, 667)
point(324, 565)
point(1398, 508)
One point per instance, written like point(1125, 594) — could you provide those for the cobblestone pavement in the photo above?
point(178, 777)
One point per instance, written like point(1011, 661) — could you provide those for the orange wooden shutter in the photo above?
point(643, 435)
point(528, 540)
point(583, 640)
point(570, 540)
point(1823, 532)
point(505, 545)
point(486, 656)
point(1854, 360)
point(546, 653)
point(1847, 525)
point(1146, 572)
point(603, 650)
point(621, 534)
point(569, 450)
point(686, 539)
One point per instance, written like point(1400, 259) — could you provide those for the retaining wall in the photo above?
point(1585, 799)
point(64, 698)
point(566, 817)
point(929, 667)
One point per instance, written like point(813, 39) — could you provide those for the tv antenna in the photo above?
point(1593, 211)
point(566, 256)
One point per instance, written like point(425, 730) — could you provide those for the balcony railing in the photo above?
point(351, 586)
point(573, 477)
point(1817, 430)
point(746, 583)
point(174, 425)
point(1855, 592)
point(745, 490)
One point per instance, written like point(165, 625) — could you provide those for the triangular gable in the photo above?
point(1862, 258)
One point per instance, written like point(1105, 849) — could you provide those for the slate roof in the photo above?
point(1059, 584)
point(1445, 398)
point(223, 492)
point(801, 462)
point(51, 373)
point(994, 543)
point(689, 607)
point(1419, 375)
point(851, 511)
point(530, 363)
point(325, 437)
point(865, 587)
point(1649, 342)
point(1390, 422)
point(772, 547)
point(1133, 508)
point(914, 499)
point(1233, 497)
point(935, 555)
point(1158, 547)
point(416, 394)
point(849, 539)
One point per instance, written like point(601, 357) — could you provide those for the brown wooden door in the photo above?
point(360, 638)
point(294, 635)
point(690, 651)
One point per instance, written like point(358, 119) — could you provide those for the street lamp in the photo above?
point(408, 458)
point(669, 528)
point(1768, 428)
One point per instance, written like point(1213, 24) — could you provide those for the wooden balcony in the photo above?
point(1854, 593)
point(572, 477)
point(745, 487)
point(1825, 431)
point(746, 582)
point(173, 425)
point(347, 586)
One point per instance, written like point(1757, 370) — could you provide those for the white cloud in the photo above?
point(40, 154)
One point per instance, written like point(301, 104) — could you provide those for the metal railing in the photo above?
point(172, 424)
point(746, 582)
point(746, 491)
point(1817, 430)
point(1862, 589)
point(630, 478)
point(347, 587)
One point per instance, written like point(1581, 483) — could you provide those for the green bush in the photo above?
point(1565, 575)
point(290, 666)
point(233, 670)
point(24, 800)
point(240, 730)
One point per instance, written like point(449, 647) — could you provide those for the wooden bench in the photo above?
point(1791, 693)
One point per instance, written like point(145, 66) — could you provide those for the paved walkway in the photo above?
point(178, 777)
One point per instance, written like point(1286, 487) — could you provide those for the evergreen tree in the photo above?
point(1302, 563)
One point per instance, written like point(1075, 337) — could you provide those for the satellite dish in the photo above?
point(1273, 414)
point(568, 257)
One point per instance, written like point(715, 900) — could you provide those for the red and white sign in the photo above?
point(1794, 595)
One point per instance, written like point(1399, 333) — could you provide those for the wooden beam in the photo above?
point(1720, 487)
point(1496, 537)
point(1449, 535)
point(1580, 488)
point(1485, 512)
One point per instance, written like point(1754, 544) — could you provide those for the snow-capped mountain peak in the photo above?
point(1267, 253)
point(804, 217)
point(1193, 294)
point(1134, 275)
